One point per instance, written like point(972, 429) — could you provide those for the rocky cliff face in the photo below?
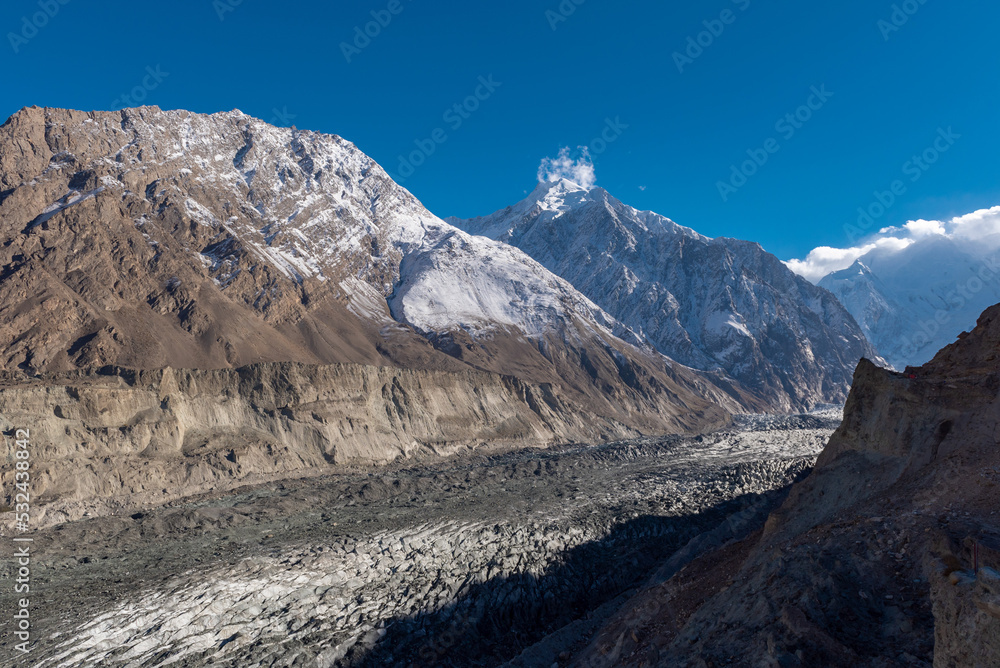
point(115, 439)
point(709, 303)
point(873, 555)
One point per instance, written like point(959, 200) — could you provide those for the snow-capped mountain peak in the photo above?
point(914, 300)
point(553, 204)
point(713, 304)
point(856, 269)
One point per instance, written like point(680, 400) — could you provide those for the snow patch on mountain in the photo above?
point(313, 206)
point(455, 277)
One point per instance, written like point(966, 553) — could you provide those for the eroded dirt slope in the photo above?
point(114, 439)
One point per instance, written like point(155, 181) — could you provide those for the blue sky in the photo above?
point(555, 79)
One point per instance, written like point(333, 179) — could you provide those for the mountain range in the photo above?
point(172, 239)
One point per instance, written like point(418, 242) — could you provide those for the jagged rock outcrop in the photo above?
point(871, 559)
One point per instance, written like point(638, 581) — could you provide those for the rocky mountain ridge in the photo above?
point(712, 304)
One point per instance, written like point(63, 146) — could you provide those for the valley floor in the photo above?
point(515, 559)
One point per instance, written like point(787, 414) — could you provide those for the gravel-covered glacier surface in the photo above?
point(472, 562)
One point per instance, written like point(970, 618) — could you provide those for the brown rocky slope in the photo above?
point(871, 560)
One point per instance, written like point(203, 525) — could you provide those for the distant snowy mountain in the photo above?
point(914, 301)
point(713, 304)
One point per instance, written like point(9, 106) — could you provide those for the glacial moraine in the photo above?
point(471, 562)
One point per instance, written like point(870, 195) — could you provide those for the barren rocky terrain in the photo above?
point(516, 557)
point(886, 554)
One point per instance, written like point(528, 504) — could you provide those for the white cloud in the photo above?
point(977, 225)
point(579, 171)
point(917, 229)
point(824, 260)
point(981, 226)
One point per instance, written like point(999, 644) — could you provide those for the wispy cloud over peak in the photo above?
point(563, 166)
